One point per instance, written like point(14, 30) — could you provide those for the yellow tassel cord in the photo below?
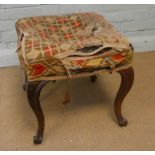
point(67, 93)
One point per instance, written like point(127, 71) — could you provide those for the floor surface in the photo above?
point(88, 121)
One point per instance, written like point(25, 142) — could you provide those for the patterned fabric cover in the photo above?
point(69, 44)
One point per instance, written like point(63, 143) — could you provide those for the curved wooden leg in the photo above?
point(33, 93)
point(93, 78)
point(127, 78)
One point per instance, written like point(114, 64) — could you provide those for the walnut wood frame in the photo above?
point(34, 88)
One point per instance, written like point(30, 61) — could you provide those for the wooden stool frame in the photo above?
point(33, 89)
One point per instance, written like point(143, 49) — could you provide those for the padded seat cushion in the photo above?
point(69, 44)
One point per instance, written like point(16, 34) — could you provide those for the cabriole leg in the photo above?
point(127, 78)
point(33, 94)
point(93, 78)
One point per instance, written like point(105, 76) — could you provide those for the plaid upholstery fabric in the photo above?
point(69, 44)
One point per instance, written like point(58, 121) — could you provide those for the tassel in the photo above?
point(67, 94)
point(66, 98)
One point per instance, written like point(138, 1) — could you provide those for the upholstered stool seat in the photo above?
point(69, 46)
point(61, 45)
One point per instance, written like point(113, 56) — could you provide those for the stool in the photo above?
point(70, 46)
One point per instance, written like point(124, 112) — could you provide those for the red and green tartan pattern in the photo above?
point(48, 41)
